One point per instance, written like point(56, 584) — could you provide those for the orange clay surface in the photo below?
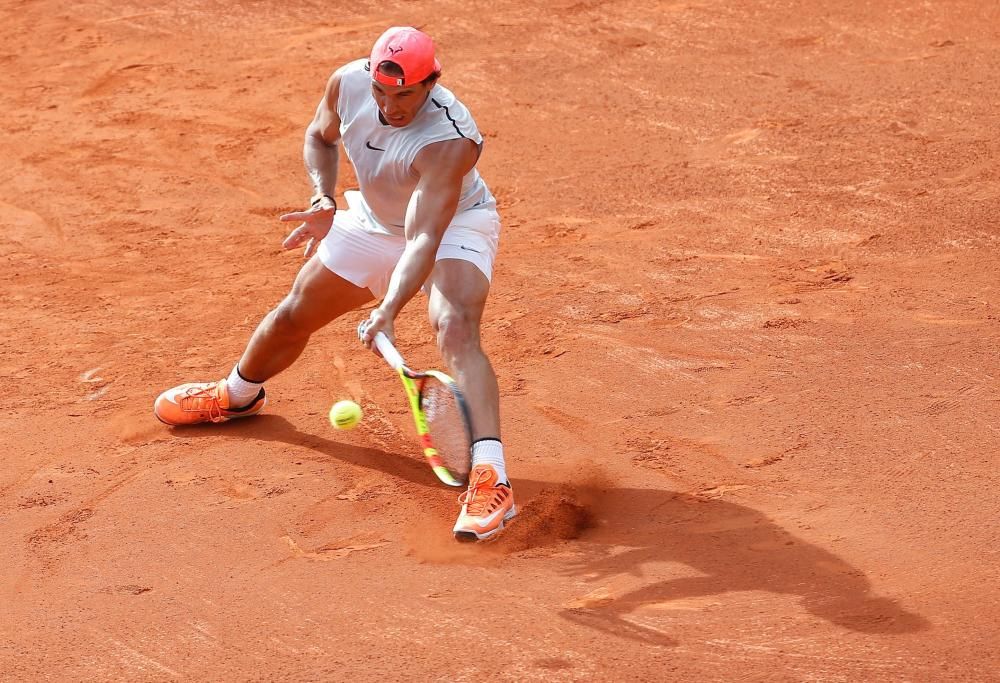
point(745, 320)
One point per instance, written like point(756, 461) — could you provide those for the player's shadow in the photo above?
point(732, 547)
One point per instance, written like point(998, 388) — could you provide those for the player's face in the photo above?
point(399, 104)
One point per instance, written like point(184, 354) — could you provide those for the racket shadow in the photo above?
point(278, 429)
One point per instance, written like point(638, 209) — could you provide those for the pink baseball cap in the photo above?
point(411, 49)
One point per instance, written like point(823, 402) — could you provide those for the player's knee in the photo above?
point(457, 334)
point(287, 320)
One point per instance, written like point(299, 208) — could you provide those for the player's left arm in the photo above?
point(441, 167)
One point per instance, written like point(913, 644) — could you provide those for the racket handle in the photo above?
point(389, 351)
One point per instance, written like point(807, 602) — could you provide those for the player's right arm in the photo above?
point(321, 154)
point(321, 150)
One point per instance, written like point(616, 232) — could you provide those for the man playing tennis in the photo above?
point(423, 218)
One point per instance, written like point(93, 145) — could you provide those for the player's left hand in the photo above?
point(378, 321)
point(316, 223)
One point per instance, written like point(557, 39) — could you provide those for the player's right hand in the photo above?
point(316, 223)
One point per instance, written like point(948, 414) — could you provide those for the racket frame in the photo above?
point(413, 385)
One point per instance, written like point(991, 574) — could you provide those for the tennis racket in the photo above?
point(440, 414)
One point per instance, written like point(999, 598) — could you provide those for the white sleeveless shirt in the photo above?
point(383, 155)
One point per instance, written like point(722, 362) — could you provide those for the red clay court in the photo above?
point(745, 319)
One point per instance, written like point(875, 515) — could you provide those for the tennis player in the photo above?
point(423, 218)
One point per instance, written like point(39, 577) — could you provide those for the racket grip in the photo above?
point(388, 351)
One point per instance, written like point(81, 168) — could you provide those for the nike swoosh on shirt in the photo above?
point(462, 246)
point(368, 144)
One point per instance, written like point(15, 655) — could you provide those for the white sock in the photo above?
point(241, 392)
point(490, 452)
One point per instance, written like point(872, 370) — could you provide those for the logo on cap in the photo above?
point(394, 50)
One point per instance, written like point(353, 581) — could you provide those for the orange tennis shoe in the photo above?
point(486, 505)
point(191, 404)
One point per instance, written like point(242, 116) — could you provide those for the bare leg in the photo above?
point(317, 298)
point(457, 299)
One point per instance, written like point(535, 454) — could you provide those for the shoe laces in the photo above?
point(205, 398)
point(471, 498)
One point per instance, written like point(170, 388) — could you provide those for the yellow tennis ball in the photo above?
point(345, 415)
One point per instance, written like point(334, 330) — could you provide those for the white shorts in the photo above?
point(365, 254)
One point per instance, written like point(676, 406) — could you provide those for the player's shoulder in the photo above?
point(353, 72)
point(348, 86)
point(443, 98)
point(451, 115)
point(446, 160)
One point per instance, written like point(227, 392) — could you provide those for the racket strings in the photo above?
point(447, 426)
